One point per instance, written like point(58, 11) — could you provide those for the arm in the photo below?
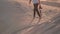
point(39, 1)
point(39, 5)
point(29, 1)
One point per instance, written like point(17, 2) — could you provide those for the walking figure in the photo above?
point(36, 4)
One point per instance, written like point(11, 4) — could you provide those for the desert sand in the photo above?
point(16, 17)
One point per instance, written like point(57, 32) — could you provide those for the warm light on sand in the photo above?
point(16, 17)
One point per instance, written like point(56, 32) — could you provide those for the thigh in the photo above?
point(36, 6)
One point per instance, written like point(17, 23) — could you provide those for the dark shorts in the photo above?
point(35, 6)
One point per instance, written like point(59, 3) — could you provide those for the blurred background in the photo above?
point(16, 16)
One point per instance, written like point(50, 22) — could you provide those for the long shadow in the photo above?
point(27, 28)
point(37, 28)
point(48, 27)
point(54, 4)
point(46, 3)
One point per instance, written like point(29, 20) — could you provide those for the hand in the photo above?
point(29, 2)
point(40, 7)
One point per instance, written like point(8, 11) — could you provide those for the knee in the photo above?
point(36, 9)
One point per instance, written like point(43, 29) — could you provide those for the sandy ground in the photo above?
point(16, 17)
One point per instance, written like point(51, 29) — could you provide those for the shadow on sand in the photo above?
point(43, 28)
point(54, 4)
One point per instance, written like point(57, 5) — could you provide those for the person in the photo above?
point(36, 4)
